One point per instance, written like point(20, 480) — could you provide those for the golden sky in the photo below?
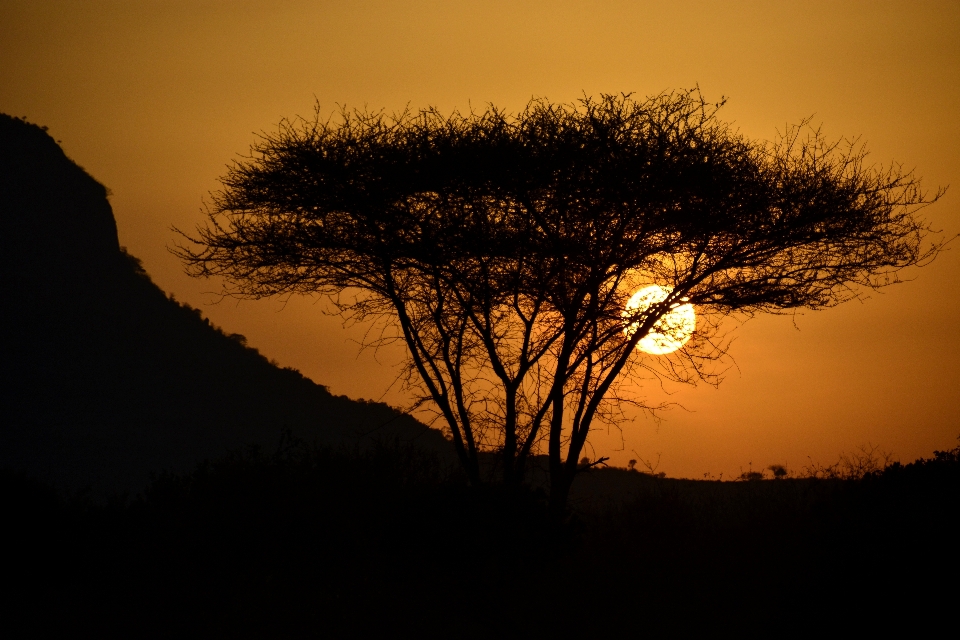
point(155, 97)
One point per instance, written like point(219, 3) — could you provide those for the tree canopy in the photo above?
point(504, 247)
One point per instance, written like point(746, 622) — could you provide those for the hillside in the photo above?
point(105, 378)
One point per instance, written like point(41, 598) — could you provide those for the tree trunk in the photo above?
point(560, 484)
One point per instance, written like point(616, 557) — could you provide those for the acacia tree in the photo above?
point(503, 248)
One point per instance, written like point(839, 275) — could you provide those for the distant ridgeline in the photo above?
point(105, 379)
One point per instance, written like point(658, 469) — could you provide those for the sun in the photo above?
point(672, 330)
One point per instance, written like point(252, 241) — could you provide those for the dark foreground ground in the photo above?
point(341, 544)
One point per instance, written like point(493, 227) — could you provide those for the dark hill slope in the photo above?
point(104, 378)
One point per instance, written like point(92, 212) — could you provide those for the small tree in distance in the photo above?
point(504, 248)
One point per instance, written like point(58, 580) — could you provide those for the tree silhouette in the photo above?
point(504, 248)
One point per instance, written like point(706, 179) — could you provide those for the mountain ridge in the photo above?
point(106, 378)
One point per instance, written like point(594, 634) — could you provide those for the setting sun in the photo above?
point(672, 331)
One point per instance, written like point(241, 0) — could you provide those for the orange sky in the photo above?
point(154, 98)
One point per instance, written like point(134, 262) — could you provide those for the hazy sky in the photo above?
point(154, 98)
